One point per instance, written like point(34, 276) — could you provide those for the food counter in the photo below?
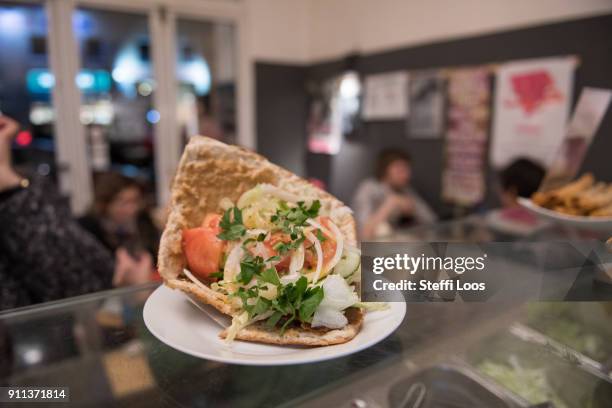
point(442, 355)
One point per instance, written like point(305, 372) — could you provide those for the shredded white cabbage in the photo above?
point(249, 197)
point(280, 193)
point(241, 321)
point(329, 317)
point(338, 294)
point(238, 323)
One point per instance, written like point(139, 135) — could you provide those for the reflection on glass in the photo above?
point(25, 85)
point(116, 81)
point(206, 74)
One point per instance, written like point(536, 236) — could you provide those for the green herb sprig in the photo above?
point(231, 229)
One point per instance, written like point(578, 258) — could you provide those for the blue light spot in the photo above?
point(153, 116)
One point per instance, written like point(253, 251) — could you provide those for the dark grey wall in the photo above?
point(590, 39)
point(281, 106)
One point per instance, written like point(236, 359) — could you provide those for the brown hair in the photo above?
point(386, 157)
point(107, 186)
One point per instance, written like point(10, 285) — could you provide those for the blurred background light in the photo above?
point(12, 21)
point(197, 73)
point(145, 88)
point(85, 80)
point(350, 86)
point(153, 116)
point(24, 138)
point(43, 169)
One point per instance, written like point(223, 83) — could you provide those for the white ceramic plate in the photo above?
point(174, 320)
point(593, 223)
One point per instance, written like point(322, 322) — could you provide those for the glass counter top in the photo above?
point(98, 346)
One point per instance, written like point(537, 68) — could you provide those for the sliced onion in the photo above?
point(232, 263)
point(255, 232)
point(291, 278)
point(201, 285)
point(297, 260)
point(319, 226)
point(338, 237)
point(319, 251)
point(339, 246)
point(260, 249)
point(249, 197)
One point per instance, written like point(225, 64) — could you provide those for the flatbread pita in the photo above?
point(301, 336)
point(210, 171)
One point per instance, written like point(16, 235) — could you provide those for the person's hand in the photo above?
point(8, 177)
point(130, 270)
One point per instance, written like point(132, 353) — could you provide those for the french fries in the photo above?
point(582, 197)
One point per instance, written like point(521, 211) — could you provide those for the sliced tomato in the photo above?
point(274, 240)
point(328, 247)
point(212, 220)
point(202, 248)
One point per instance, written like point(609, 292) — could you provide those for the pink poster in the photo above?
point(532, 102)
point(463, 176)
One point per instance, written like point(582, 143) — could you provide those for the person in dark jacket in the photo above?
point(44, 253)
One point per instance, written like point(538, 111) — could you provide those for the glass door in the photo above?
point(116, 81)
point(26, 85)
point(206, 72)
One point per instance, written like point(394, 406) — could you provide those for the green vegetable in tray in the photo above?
point(529, 383)
point(557, 322)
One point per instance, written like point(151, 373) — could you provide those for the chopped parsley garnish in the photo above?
point(270, 276)
point(249, 267)
point(294, 301)
point(284, 247)
point(231, 229)
point(287, 217)
point(217, 275)
point(320, 235)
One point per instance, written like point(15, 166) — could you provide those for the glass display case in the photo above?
point(443, 355)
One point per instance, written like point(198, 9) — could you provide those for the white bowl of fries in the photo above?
point(583, 203)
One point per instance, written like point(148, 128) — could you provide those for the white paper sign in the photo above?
point(385, 96)
point(588, 114)
point(532, 102)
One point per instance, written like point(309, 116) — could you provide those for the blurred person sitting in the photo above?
point(521, 178)
point(44, 253)
point(118, 217)
point(387, 202)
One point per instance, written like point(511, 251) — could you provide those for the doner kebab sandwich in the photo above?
point(263, 246)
